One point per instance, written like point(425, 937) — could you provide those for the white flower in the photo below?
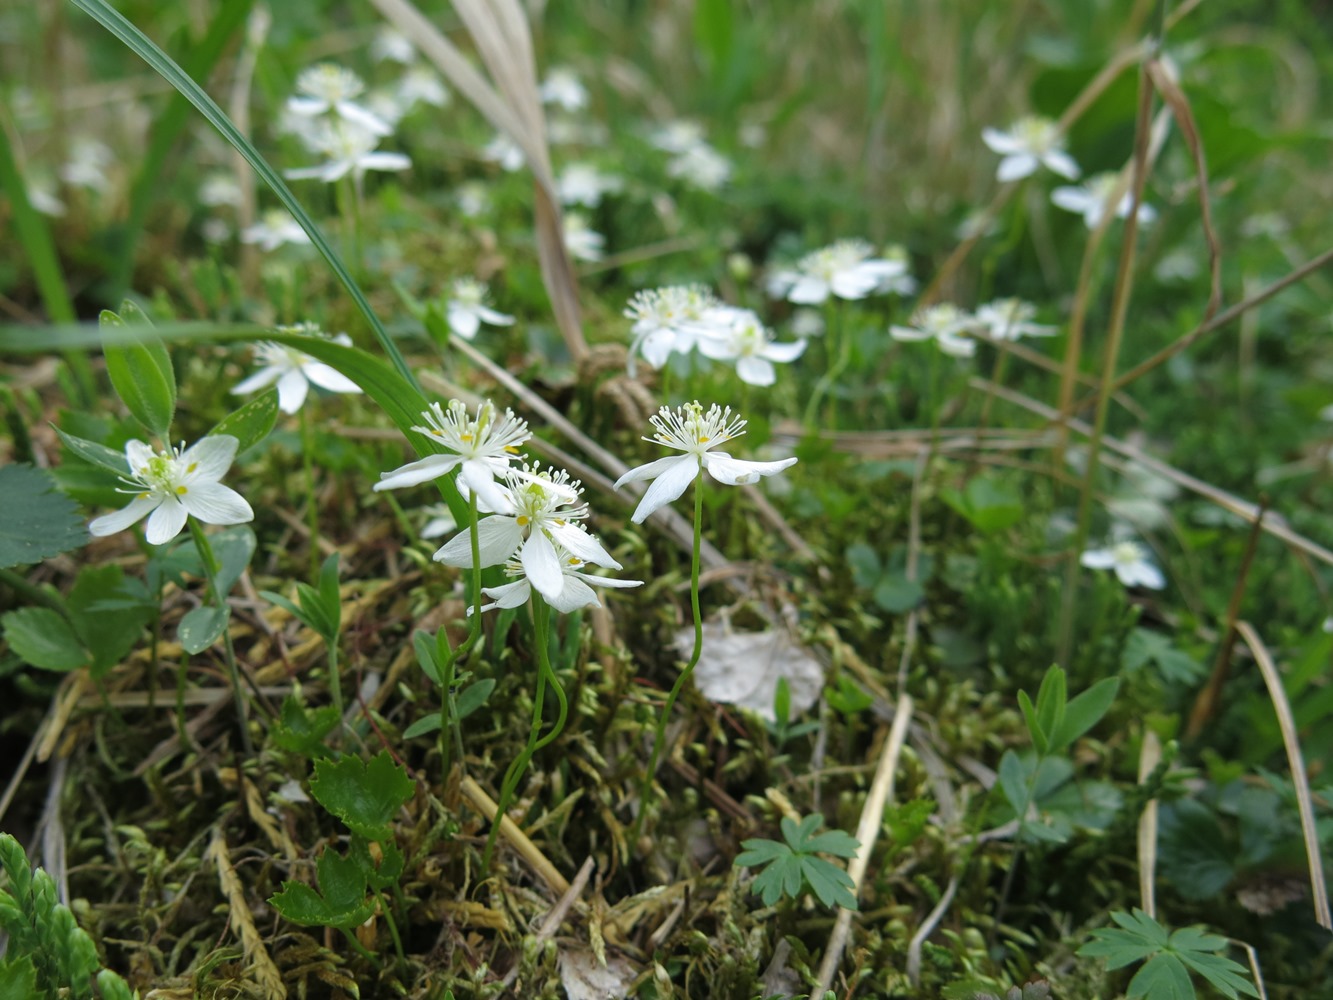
point(473, 199)
point(215, 230)
point(946, 324)
point(467, 309)
point(294, 370)
point(171, 485)
point(677, 136)
point(1091, 199)
point(844, 269)
point(695, 432)
point(42, 196)
point(1130, 562)
point(702, 166)
point(584, 184)
point(898, 281)
point(744, 339)
point(348, 149)
point(504, 151)
point(1009, 319)
point(327, 88)
point(421, 85)
point(667, 319)
point(392, 45)
point(543, 511)
point(274, 228)
point(574, 592)
point(482, 446)
point(562, 87)
point(582, 242)
point(89, 161)
point(807, 322)
point(441, 520)
point(1031, 142)
point(220, 189)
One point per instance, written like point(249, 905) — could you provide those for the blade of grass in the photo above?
point(167, 68)
point(167, 127)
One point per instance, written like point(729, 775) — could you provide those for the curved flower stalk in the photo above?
point(695, 432)
point(844, 269)
point(329, 89)
point(482, 446)
point(170, 486)
point(539, 509)
point(744, 340)
point(1031, 142)
point(295, 371)
point(467, 309)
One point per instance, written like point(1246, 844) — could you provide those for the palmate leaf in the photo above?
point(1162, 978)
point(39, 520)
point(1170, 956)
point(364, 795)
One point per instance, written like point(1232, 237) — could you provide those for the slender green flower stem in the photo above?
point(393, 926)
point(838, 354)
point(541, 622)
point(311, 508)
point(219, 601)
point(360, 949)
point(449, 725)
point(335, 678)
point(645, 794)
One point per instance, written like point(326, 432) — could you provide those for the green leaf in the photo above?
point(252, 422)
point(1195, 948)
point(42, 638)
point(381, 873)
point(303, 730)
point(329, 595)
point(897, 594)
point(425, 724)
point(108, 625)
point(830, 883)
point(1014, 777)
point(95, 454)
point(844, 845)
point(1051, 699)
point(424, 644)
point(1033, 723)
point(759, 851)
point(989, 506)
point(782, 702)
point(164, 65)
point(18, 977)
point(1084, 712)
point(1162, 978)
point(848, 698)
point(233, 547)
point(363, 795)
point(143, 378)
point(473, 697)
point(202, 627)
point(340, 902)
point(39, 520)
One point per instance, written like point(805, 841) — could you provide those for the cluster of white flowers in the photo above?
point(1034, 142)
point(956, 331)
point(846, 269)
point(534, 514)
point(677, 319)
point(693, 159)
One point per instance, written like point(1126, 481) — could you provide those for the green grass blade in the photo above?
point(166, 129)
point(166, 67)
point(35, 238)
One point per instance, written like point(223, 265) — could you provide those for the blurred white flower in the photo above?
point(169, 486)
point(421, 85)
point(220, 189)
point(807, 322)
point(565, 131)
point(89, 161)
point(467, 309)
point(944, 323)
point(295, 371)
point(562, 87)
point(844, 269)
point(898, 281)
point(327, 88)
point(504, 151)
point(215, 230)
point(482, 446)
point(744, 340)
point(1091, 199)
point(1009, 319)
point(583, 184)
point(473, 199)
point(391, 45)
point(1031, 142)
point(41, 190)
point(348, 150)
point(677, 136)
point(582, 242)
point(274, 228)
point(574, 589)
point(1130, 561)
point(701, 166)
point(667, 319)
point(694, 432)
point(440, 520)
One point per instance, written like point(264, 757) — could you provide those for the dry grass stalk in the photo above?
point(242, 921)
point(1299, 780)
point(538, 861)
point(1150, 754)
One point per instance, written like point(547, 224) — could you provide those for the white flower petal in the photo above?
point(653, 469)
point(138, 454)
point(508, 595)
point(668, 486)
point(498, 537)
point(214, 503)
point(327, 377)
point(784, 351)
point(1062, 163)
point(480, 479)
point(210, 456)
point(756, 371)
point(573, 594)
point(166, 522)
point(494, 318)
point(383, 161)
point(1001, 142)
point(737, 472)
point(583, 544)
point(808, 291)
point(421, 471)
point(259, 380)
point(463, 321)
point(1016, 167)
point(292, 389)
point(542, 565)
point(139, 508)
point(1097, 559)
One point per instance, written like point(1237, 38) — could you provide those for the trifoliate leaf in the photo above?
point(39, 520)
point(364, 795)
point(42, 638)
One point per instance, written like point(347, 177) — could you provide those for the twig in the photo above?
point(926, 929)
point(1299, 781)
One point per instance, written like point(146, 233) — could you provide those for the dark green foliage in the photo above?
point(790, 867)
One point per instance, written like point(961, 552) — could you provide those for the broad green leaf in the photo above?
point(1084, 712)
point(329, 596)
point(759, 851)
point(830, 883)
point(1230, 978)
point(340, 902)
point(233, 547)
point(424, 645)
point(39, 521)
point(425, 724)
point(202, 627)
point(1162, 978)
point(96, 454)
point(164, 65)
point(989, 506)
point(108, 631)
point(42, 638)
point(473, 697)
point(364, 795)
point(844, 845)
point(252, 422)
point(303, 730)
point(782, 702)
point(1014, 779)
point(897, 594)
point(142, 376)
point(18, 977)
